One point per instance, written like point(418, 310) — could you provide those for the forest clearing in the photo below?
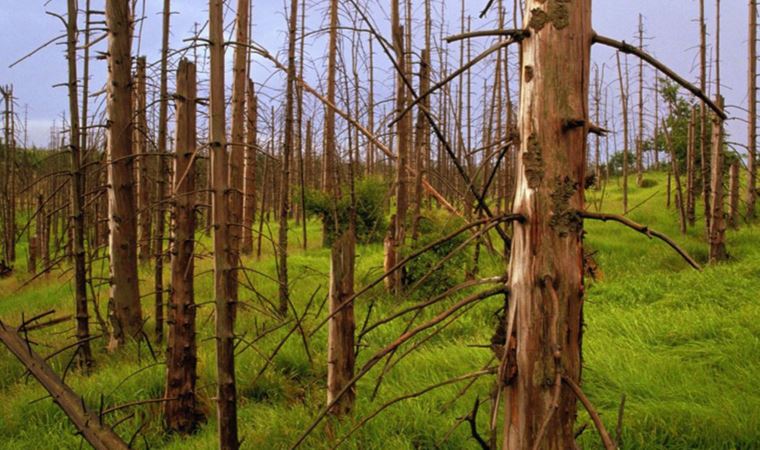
point(384, 224)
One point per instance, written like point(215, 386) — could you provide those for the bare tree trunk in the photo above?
point(287, 152)
point(691, 149)
point(237, 143)
point(704, 155)
point(717, 219)
point(733, 199)
point(226, 411)
point(546, 266)
point(624, 102)
point(183, 414)
point(249, 185)
point(84, 354)
point(125, 310)
point(402, 140)
point(140, 141)
point(752, 113)
point(161, 175)
point(677, 177)
point(640, 138)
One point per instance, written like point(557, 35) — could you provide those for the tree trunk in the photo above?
point(249, 185)
point(125, 310)
point(161, 174)
point(752, 113)
point(546, 265)
point(691, 149)
point(624, 102)
point(183, 415)
point(733, 199)
point(226, 411)
point(142, 162)
point(237, 144)
point(717, 220)
point(84, 354)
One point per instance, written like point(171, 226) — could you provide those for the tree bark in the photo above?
point(249, 185)
point(751, 195)
point(142, 161)
point(226, 411)
point(84, 354)
point(236, 180)
point(546, 265)
point(717, 219)
point(125, 310)
point(183, 415)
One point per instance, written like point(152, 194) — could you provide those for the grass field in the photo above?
point(682, 345)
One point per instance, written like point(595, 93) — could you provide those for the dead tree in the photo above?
point(340, 337)
point(546, 270)
point(703, 151)
point(640, 137)
point(249, 171)
point(733, 195)
point(226, 411)
point(691, 149)
point(624, 107)
point(161, 175)
point(751, 195)
point(124, 311)
point(142, 162)
point(287, 152)
point(717, 216)
point(237, 143)
point(86, 421)
point(677, 177)
point(183, 414)
point(84, 354)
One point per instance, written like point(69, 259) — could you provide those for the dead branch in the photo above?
point(641, 229)
point(630, 49)
point(606, 440)
point(99, 435)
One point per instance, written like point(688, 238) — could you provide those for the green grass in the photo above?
point(682, 345)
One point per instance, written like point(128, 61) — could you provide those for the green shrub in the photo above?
point(370, 215)
point(432, 227)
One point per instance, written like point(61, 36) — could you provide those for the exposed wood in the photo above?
point(547, 250)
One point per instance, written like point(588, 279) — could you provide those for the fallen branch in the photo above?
point(99, 435)
point(641, 229)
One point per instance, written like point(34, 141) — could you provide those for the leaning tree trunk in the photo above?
point(125, 311)
point(546, 265)
point(84, 354)
point(226, 410)
point(183, 415)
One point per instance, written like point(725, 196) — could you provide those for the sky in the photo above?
point(670, 27)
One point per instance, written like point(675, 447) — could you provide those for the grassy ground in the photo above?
point(682, 345)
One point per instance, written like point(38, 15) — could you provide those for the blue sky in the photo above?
point(670, 25)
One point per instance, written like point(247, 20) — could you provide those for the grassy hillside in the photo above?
point(682, 345)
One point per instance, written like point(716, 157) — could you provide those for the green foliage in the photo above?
point(370, 215)
point(432, 227)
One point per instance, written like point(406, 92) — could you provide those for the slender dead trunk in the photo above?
point(183, 414)
point(142, 162)
point(703, 153)
point(84, 354)
point(237, 144)
point(733, 195)
point(161, 175)
point(717, 220)
point(751, 196)
point(691, 149)
point(640, 138)
point(624, 107)
point(249, 172)
point(125, 311)
point(226, 411)
point(546, 265)
point(287, 152)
